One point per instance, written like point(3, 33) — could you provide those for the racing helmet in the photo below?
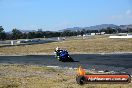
point(57, 48)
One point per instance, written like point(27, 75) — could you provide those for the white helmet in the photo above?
point(57, 48)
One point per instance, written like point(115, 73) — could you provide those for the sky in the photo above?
point(55, 15)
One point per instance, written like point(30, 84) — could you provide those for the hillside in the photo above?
point(99, 27)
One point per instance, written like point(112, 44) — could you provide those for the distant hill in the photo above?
point(23, 31)
point(27, 31)
point(99, 27)
point(72, 29)
point(125, 26)
point(102, 26)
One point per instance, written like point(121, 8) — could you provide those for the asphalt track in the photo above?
point(111, 62)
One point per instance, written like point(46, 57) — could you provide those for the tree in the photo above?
point(31, 35)
point(1, 29)
point(16, 34)
point(84, 31)
point(66, 33)
point(118, 30)
point(129, 30)
point(109, 30)
point(78, 32)
point(39, 34)
point(2, 33)
point(8, 36)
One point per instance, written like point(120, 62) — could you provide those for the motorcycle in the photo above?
point(63, 55)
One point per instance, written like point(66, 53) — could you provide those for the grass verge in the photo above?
point(32, 76)
point(97, 44)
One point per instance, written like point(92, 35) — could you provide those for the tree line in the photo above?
point(17, 34)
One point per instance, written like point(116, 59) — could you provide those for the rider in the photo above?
point(58, 50)
point(62, 55)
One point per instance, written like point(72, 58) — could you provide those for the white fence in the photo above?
point(128, 36)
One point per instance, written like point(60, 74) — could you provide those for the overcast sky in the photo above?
point(60, 14)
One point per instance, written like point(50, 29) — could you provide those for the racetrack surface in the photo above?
point(111, 62)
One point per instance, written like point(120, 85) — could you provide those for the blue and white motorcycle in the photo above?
point(63, 55)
